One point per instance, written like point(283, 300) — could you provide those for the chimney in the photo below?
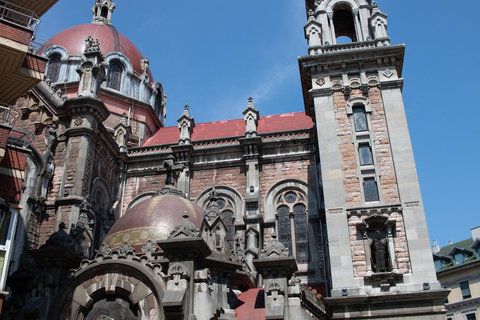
point(475, 232)
point(435, 247)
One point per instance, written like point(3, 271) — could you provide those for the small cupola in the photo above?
point(102, 12)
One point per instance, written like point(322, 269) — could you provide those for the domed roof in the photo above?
point(73, 40)
point(153, 219)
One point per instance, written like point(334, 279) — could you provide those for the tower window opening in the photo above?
point(344, 26)
point(54, 66)
point(104, 12)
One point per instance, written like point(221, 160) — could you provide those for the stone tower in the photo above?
point(379, 251)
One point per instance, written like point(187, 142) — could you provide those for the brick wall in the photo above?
point(271, 173)
point(4, 131)
point(234, 177)
point(15, 33)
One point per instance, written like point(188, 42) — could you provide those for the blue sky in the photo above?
point(214, 54)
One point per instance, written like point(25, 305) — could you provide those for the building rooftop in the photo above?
point(233, 128)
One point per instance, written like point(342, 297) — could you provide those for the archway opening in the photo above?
point(344, 25)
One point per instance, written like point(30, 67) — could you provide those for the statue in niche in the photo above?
point(379, 249)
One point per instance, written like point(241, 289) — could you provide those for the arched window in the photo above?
point(54, 65)
point(115, 75)
point(105, 12)
point(344, 24)
point(226, 214)
point(99, 205)
point(360, 119)
point(292, 223)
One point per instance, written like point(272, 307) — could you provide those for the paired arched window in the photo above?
point(115, 75)
point(54, 65)
point(292, 223)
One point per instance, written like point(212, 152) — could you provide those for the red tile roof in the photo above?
point(233, 128)
point(251, 305)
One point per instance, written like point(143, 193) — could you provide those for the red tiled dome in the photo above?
point(153, 219)
point(73, 40)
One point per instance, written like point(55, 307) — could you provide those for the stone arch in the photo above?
point(332, 4)
point(358, 102)
point(139, 286)
point(289, 184)
point(229, 193)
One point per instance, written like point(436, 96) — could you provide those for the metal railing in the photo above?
point(8, 116)
point(39, 46)
point(21, 138)
point(19, 16)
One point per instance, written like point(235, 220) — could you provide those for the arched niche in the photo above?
point(228, 193)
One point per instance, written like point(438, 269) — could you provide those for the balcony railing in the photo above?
point(21, 138)
point(19, 16)
point(39, 46)
point(8, 116)
point(342, 47)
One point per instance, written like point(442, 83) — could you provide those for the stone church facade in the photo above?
point(309, 215)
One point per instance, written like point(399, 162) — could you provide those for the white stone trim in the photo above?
point(227, 192)
point(269, 210)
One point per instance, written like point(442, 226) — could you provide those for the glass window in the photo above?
point(4, 226)
point(438, 265)
point(293, 228)
point(370, 189)
point(227, 218)
point(360, 119)
point(54, 66)
point(471, 316)
point(115, 76)
point(477, 251)
point(465, 290)
point(459, 258)
point(284, 227)
point(365, 153)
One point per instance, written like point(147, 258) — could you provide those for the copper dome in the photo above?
point(153, 219)
point(73, 40)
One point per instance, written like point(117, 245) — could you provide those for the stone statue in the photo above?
point(379, 249)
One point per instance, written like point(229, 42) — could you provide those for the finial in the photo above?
point(186, 215)
point(186, 107)
point(274, 236)
point(62, 226)
point(250, 101)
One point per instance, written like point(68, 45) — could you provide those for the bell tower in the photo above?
point(378, 244)
point(102, 12)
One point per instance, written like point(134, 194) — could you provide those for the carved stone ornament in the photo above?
point(320, 81)
point(149, 247)
point(388, 73)
point(105, 250)
point(78, 122)
point(126, 247)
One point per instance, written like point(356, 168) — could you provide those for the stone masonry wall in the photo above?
point(358, 247)
point(382, 150)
